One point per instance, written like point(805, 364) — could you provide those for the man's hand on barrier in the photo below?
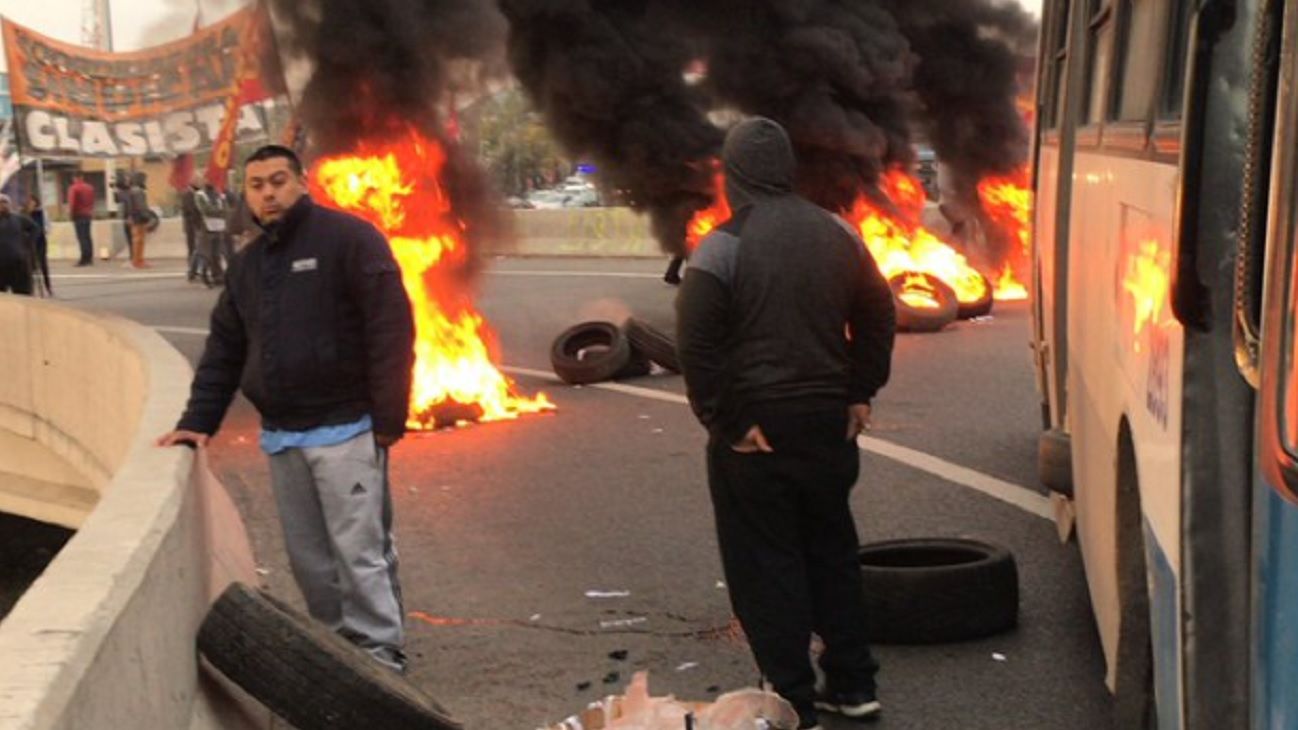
point(183, 438)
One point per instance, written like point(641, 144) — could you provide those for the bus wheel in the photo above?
point(924, 302)
point(1134, 705)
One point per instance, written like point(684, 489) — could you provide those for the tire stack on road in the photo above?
point(592, 352)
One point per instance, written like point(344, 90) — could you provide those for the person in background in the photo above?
point(317, 281)
point(211, 208)
point(140, 218)
point(785, 334)
point(81, 205)
point(41, 243)
point(17, 249)
point(122, 198)
point(192, 220)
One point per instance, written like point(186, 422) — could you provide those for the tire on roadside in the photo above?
point(655, 344)
point(590, 352)
point(980, 308)
point(637, 366)
point(305, 673)
point(935, 590)
point(943, 305)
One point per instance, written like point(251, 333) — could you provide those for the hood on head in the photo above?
point(759, 161)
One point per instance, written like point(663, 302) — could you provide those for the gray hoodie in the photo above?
point(781, 303)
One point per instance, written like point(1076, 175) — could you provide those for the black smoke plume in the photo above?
point(607, 78)
point(834, 74)
point(382, 67)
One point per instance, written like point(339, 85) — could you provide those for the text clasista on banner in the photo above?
point(78, 102)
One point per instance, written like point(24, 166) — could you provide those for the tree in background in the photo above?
point(515, 147)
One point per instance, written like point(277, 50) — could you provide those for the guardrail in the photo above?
point(105, 637)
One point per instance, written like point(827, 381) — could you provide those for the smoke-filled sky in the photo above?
point(142, 23)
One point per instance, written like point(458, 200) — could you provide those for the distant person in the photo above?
point(673, 275)
point(785, 332)
point(240, 228)
point(122, 198)
point(140, 217)
point(191, 220)
point(211, 209)
point(41, 243)
point(81, 205)
point(315, 327)
point(17, 249)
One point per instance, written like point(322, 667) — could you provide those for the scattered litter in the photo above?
point(643, 416)
point(721, 584)
point(622, 622)
point(583, 686)
point(607, 594)
point(686, 666)
point(657, 430)
point(534, 617)
point(263, 571)
point(612, 677)
point(414, 490)
point(618, 655)
point(998, 656)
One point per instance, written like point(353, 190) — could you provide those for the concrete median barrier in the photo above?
point(105, 637)
point(595, 232)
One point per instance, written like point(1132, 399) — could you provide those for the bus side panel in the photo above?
point(1049, 300)
point(1275, 620)
point(1124, 364)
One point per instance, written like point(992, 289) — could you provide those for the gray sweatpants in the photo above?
point(336, 510)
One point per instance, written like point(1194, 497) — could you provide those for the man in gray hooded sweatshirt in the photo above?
point(785, 330)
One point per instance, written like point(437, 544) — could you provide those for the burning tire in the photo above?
point(655, 344)
point(590, 352)
point(306, 673)
point(926, 591)
point(980, 308)
point(924, 302)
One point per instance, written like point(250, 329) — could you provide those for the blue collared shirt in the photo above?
point(274, 442)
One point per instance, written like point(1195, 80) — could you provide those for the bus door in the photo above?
point(1275, 504)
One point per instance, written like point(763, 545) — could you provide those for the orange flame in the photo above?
point(396, 186)
point(900, 246)
point(1008, 202)
point(917, 292)
point(710, 217)
point(1148, 281)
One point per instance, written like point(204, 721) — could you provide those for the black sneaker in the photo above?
point(855, 705)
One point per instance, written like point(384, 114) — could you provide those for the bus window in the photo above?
point(1135, 77)
point(1099, 48)
point(1058, 51)
point(1177, 63)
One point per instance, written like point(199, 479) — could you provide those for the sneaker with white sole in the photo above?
point(856, 705)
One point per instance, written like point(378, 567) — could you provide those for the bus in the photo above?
point(1163, 334)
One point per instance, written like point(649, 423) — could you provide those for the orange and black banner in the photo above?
point(168, 100)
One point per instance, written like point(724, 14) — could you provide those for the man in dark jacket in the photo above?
point(17, 249)
point(191, 218)
point(314, 325)
point(785, 332)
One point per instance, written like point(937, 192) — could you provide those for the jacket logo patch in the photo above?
point(305, 265)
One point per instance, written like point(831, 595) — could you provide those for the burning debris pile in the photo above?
point(848, 81)
point(372, 111)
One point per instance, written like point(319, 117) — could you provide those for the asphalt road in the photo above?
point(504, 528)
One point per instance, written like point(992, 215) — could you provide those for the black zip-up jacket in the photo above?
point(782, 304)
point(18, 235)
point(314, 325)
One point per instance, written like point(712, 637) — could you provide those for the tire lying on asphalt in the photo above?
point(980, 308)
point(305, 673)
point(589, 353)
point(924, 302)
point(636, 367)
point(655, 344)
point(933, 590)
